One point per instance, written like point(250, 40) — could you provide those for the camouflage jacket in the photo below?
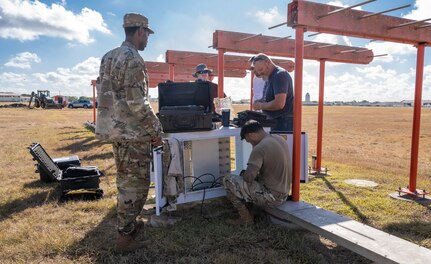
point(124, 111)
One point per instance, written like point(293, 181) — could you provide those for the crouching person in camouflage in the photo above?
point(267, 179)
point(125, 118)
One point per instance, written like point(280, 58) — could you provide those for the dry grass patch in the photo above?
point(36, 228)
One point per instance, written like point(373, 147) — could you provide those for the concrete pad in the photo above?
point(361, 183)
point(409, 198)
point(367, 241)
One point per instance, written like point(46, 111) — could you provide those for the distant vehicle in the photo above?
point(82, 103)
point(43, 99)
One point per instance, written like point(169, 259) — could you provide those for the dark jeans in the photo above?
point(284, 124)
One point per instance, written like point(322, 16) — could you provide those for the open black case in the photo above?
point(74, 179)
point(186, 106)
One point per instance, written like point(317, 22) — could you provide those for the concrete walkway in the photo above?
point(367, 241)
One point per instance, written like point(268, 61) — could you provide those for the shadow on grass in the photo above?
point(38, 184)
point(86, 144)
point(99, 242)
point(359, 214)
point(72, 132)
point(415, 230)
point(103, 156)
point(211, 240)
point(35, 200)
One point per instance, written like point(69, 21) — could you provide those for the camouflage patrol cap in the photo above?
point(136, 20)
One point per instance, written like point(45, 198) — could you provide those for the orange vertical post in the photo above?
point(220, 72)
point(417, 116)
point(296, 160)
point(93, 83)
point(320, 116)
point(251, 90)
point(172, 72)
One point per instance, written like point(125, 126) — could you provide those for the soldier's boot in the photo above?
point(245, 215)
point(126, 243)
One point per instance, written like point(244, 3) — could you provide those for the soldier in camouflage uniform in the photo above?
point(267, 179)
point(125, 118)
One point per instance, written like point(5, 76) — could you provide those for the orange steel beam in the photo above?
point(417, 117)
point(357, 23)
point(380, 27)
point(93, 83)
point(155, 82)
point(220, 67)
point(285, 47)
point(165, 68)
point(320, 116)
point(172, 72)
point(211, 60)
point(297, 110)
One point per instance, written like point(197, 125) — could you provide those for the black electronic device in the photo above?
point(246, 115)
point(186, 106)
point(188, 93)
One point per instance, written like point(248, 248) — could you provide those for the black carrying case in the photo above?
point(186, 106)
point(72, 177)
point(62, 163)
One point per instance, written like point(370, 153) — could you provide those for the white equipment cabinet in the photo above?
point(201, 157)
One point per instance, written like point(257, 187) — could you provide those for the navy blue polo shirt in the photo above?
point(279, 81)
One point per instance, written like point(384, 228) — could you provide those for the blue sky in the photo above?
point(57, 45)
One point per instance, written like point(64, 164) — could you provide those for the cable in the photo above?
point(216, 182)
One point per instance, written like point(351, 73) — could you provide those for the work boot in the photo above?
point(126, 243)
point(245, 217)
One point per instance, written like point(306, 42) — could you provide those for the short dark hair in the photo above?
point(130, 31)
point(251, 126)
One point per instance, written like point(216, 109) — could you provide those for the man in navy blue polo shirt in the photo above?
point(277, 101)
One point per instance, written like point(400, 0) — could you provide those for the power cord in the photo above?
point(216, 182)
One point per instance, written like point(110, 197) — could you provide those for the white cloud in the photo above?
point(372, 83)
point(68, 81)
point(90, 65)
point(25, 20)
point(339, 3)
point(336, 3)
point(421, 10)
point(23, 60)
point(161, 58)
point(392, 49)
point(269, 17)
point(333, 39)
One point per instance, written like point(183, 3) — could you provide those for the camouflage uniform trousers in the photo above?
point(133, 181)
point(255, 192)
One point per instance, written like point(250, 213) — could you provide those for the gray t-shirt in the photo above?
point(272, 156)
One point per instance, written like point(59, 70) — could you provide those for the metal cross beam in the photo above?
point(351, 22)
point(159, 72)
point(286, 47)
point(232, 62)
point(154, 68)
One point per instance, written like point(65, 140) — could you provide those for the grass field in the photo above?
point(358, 143)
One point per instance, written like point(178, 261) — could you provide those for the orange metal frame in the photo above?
point(93, 83)
point(285, 47)
point(304, 15)
point(180, 72)
point(222, 65)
